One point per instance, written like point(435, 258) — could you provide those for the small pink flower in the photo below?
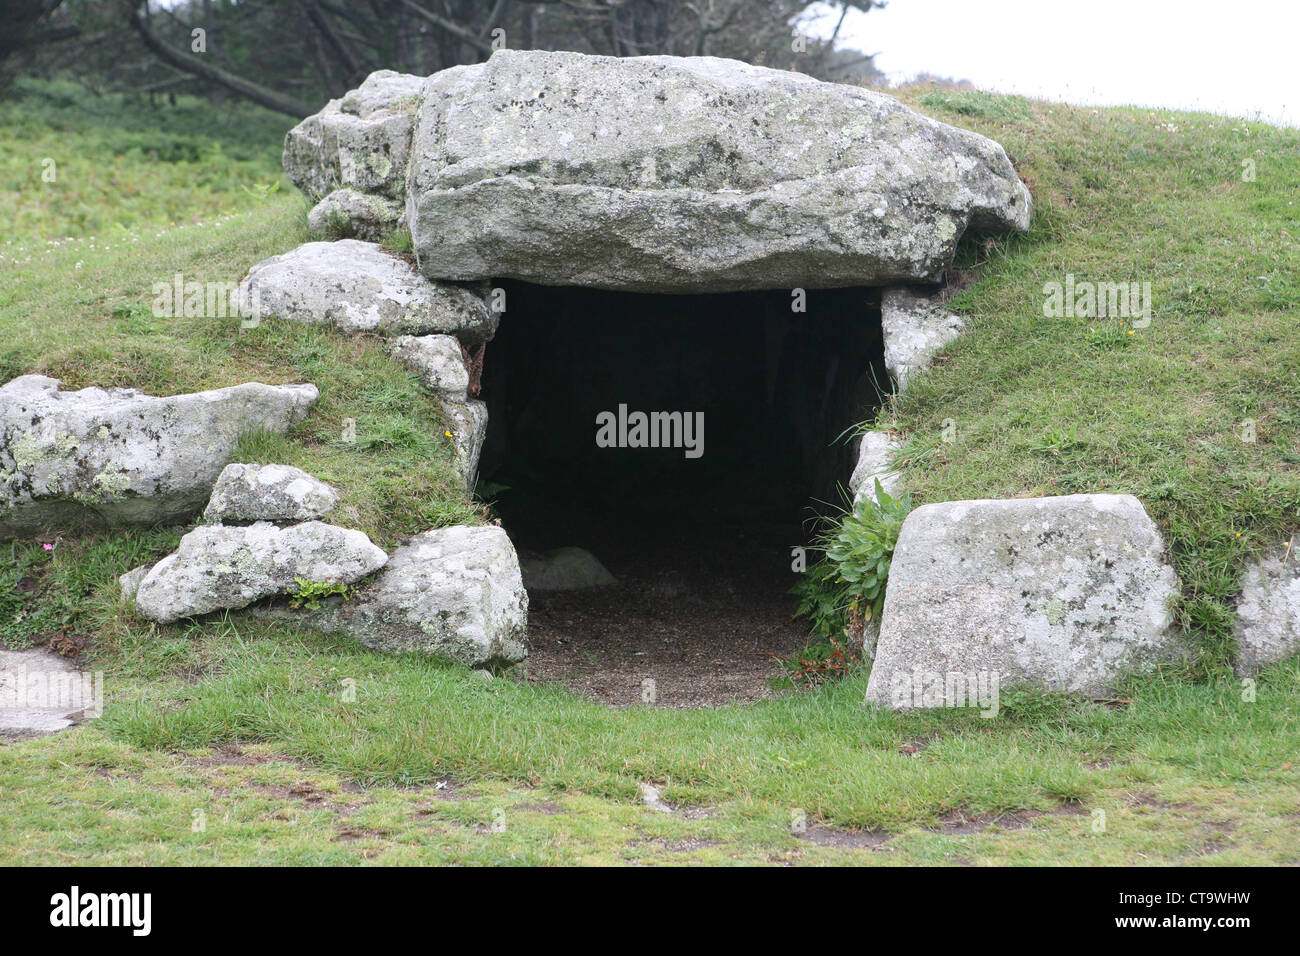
point(47, 546)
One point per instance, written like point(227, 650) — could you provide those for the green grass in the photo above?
point(1188, 772)
point(120, 165)
point(93, 324)
point(1043, 406)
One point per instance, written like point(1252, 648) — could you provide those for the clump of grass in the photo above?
point(974, 104)
point(261, 446)
point(338, 224)
point(816, 664)
point(309, 594)
point(399, 242)
point(67, 584)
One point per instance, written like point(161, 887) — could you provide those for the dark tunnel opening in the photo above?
point(753, 398)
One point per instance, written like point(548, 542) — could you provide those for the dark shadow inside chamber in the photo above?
point(700, 544)
point(754, 400)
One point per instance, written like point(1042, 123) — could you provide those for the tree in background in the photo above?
point(28, 27)
point(288, 55)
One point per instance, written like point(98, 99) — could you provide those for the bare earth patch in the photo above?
point(699, 622)
point(845, 839)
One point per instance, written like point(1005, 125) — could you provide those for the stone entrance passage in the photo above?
point(750, 399)
point(641, 401)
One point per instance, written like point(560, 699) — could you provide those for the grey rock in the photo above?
point(42, 693)
point(915, 328)
point(130, 582)
point(348, 214)
point(452, 592)
point(875, 456)
point(438, 361)
point(468, 426)
point(268, 493)
point(358, 287)
point(1065, 593)
point(221, 567)
point(361, 141)
point(1268, 611)
point(565, 569)
point(118, 456)
point(689, 174)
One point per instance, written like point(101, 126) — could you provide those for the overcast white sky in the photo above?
point(1237, 57)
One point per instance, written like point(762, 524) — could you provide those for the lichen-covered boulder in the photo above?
point(438, 361)
point(452, 592)
point(129, 582)
point(361, 141)
point(358, 287)
point(1065, 593)
point(225, 567)
point(246, 493)
point(914, 328)
point(875, 463)
point(1268, 611)
point(689, 174)
point(119, 456)
point(565, 569)
point(467, 422)
point(348, 214)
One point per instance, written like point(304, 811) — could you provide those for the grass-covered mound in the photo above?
point(1189, 769)
point(1197, 414)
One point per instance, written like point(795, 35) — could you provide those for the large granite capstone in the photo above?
point(660, 174)
point(689, 174)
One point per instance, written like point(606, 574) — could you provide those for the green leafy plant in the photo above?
point(845, 590)
point(308, 594)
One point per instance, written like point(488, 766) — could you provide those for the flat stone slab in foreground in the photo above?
point(689, 174)
point(118, 456)
point(41, 693)
point(1063, 593)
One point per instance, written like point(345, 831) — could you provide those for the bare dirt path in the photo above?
point(699, 621)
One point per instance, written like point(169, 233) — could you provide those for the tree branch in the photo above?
point(458, 32)
point(196, 67)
